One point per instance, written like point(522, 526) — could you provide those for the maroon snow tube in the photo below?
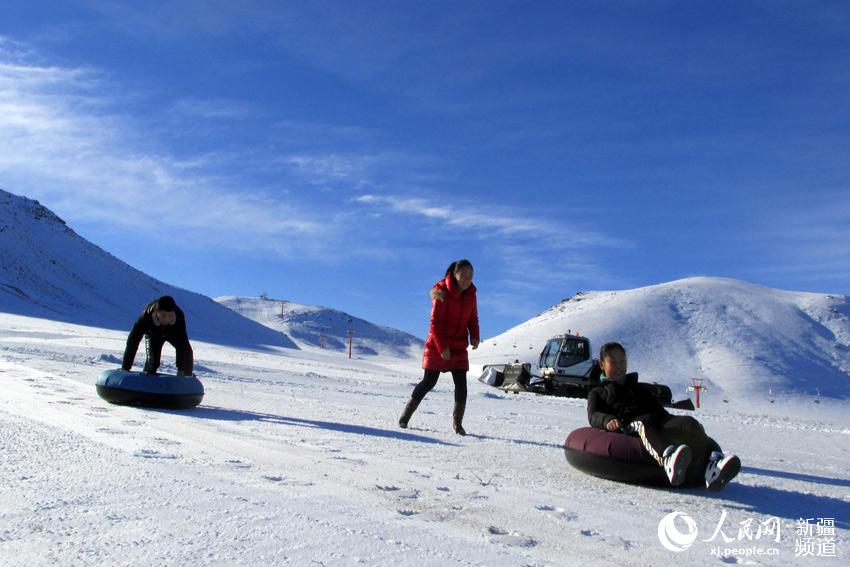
point(619, 457)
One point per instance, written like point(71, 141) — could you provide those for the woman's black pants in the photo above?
point(429, 380)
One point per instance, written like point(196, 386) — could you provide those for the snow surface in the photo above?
point(745, 341)
point(295, 458)
point(311, 326)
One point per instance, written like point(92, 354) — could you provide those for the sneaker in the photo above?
point(676, 461)
point(721, 470)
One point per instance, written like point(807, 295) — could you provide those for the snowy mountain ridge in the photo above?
point(742, 339)
point(51, 272)
point(321, 327)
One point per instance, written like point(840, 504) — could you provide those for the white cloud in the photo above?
point(532, 253)
point(378, 170)
point(498, 220)
point(63, 141)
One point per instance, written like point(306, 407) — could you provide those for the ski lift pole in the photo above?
point(697, 387)
point(350, 334)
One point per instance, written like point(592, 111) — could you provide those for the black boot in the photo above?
point(457, 418)
point(411, 406)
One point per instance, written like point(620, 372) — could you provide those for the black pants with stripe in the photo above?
point(677, 430)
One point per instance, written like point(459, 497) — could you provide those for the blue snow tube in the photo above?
point(149, 390)
point(621, 457)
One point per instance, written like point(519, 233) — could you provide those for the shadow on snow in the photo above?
point(782, 503)
point(223, 414)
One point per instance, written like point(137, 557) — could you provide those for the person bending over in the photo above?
point(161, 321)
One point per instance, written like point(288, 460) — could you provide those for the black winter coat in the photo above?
point(174, 334)
point(626, 402)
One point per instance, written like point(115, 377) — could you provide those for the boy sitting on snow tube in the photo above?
point(619, 404)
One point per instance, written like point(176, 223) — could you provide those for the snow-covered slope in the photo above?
point(298, 460)
point(743, 339)
point(321, 327)
point(49, 271)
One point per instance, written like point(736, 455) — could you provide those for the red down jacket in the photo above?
point(454, 321)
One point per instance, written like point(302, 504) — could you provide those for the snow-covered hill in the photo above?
point(49, 271)
point(321, 327)
point(743, 339)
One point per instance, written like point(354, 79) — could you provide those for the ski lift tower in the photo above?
point(697, 387)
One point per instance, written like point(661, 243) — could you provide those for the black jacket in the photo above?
point(626, 402)
point(174, 334)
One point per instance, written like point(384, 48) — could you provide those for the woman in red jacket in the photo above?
point(454, 325)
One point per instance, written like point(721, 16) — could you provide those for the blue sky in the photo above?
point(343, 153)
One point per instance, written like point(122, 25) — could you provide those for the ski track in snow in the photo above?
point(296, 459)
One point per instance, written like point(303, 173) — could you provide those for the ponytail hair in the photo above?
point(458, 265)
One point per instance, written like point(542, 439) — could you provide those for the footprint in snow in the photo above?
point(387, 488)
point(589, 533)
point(153, 454)
point(273, 478)
point(237, 464)
point(350, 460)
point(97, 415)
point(561, 514)
point(407, 513)
point(168, 442)
point(111, 431)
point(408, 494)
point(514, 539)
